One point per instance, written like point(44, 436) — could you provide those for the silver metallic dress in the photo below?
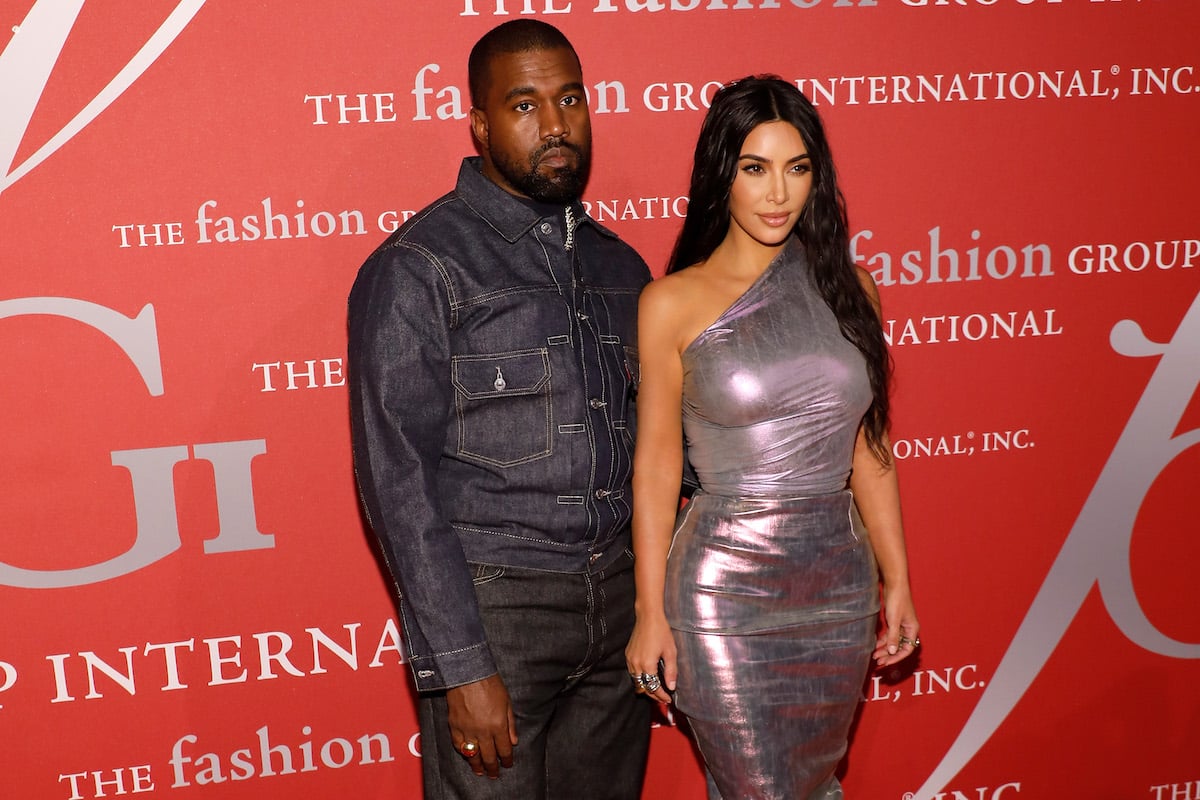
point(772, 589)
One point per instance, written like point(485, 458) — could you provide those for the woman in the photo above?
point(763, 347)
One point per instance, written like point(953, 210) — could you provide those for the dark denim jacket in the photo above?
point(492, 369)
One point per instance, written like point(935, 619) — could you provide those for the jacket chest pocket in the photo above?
point(502, 402)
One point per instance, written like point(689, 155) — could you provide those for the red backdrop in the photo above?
point(187, 190)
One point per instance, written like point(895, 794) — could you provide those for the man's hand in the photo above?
point(480, 714)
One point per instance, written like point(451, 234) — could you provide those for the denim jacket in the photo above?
point(492, 371)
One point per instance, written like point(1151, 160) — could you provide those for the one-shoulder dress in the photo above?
point(772, 590)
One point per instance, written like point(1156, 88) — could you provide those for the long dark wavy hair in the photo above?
point(738, 108)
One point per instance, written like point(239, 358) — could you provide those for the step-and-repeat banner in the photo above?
point(190, 606)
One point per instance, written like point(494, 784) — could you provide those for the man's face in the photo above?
point(534, 129)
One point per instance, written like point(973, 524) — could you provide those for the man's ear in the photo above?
point(479, 127)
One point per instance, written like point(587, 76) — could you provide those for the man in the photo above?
point(492, 370)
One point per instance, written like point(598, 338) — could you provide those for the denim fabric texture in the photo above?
point(560, 642)
point(492, 368)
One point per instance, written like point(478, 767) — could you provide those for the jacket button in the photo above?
point(602, 493)
point(596, 402)
point(546, 228)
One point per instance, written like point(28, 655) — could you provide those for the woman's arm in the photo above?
point(877, 495)
point(657, 471)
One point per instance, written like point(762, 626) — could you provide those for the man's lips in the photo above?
point(557, 157)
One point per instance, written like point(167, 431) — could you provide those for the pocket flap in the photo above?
point(501, 374)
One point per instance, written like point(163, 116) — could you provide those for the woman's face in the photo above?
point(771, 184)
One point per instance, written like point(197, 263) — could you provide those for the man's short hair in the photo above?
point(515, 36)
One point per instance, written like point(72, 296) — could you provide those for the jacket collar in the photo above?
point(511, 218)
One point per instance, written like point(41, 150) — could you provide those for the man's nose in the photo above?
point(553, 122)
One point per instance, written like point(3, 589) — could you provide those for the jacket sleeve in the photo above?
point(401, 397)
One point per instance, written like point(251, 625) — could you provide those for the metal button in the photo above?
point(546, 228)
point(580, 316)
point(602, 493)
point(596, 402)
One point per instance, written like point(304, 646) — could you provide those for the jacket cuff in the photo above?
point(447, 670)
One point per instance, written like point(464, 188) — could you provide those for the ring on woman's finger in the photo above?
point(468, 749)
point(914, 642)
point(639, 682)
point(649, 681)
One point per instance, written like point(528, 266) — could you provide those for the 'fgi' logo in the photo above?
point(150, 468)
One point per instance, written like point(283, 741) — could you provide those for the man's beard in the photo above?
point(562, 185)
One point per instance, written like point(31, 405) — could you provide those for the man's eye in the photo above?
point(523, 107)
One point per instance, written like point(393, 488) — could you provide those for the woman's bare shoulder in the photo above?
point(674, 292)
point(680, 305)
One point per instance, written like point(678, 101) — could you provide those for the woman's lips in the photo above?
point(775, 220)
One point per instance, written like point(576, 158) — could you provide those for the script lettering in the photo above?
point(26, 63)
point(1096, 552)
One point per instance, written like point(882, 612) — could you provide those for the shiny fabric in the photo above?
point(773, 394)
point(772, 589)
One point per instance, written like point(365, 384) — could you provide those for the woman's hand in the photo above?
point(651, 651)
point(899, 639)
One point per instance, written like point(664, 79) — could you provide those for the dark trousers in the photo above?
point(559, 644)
